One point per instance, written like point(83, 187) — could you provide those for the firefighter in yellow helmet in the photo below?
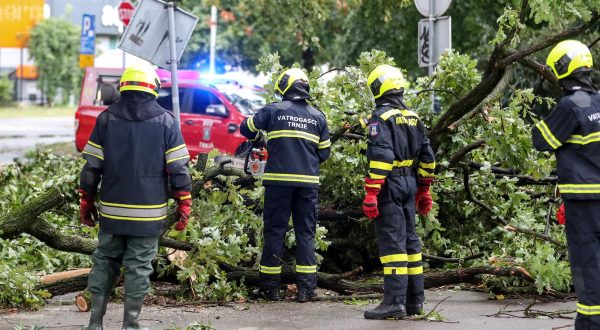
point(298, 144)
point(401, 169)
point(136, 150)
point(572, 132)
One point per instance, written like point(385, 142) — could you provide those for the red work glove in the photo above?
point(88, 215)
point(372, 187)
point(184, 208)
point(560, 214)
point(423, 199)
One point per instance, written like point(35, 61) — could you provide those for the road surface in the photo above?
point(464, 310)
point(19, 135)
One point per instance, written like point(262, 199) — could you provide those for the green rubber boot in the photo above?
point(131, 313)
point(99, 302)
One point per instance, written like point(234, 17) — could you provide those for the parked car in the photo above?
point(210, 114)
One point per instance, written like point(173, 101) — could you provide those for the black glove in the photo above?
point(259, 141)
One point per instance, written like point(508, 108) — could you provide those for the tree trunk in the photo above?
point(340, 283)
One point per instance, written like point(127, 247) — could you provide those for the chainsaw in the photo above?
point(247, 158)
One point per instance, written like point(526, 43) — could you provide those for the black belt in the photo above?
point(403, 171)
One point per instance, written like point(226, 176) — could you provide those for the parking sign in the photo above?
point(88, 35)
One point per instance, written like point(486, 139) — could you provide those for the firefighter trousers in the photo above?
point(583, 238)
point(399, 245)
point(135, 253)
point(280, 203)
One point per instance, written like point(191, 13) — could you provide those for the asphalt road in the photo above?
point(462, 310)
point(19, 135)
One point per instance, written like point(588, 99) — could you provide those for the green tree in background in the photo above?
point(6, 89)
point(54, 46)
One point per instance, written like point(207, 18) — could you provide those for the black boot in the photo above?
point(269, 294)
point(99, 302)
point(305, 295)
point(131, 313)
point(389, 309)
point(416, 309)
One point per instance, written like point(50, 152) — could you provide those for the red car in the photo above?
point(210, 114)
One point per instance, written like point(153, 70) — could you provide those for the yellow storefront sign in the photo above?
point(86, 60)
point(17, 17)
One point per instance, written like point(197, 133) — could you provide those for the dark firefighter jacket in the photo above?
point(136, 150)
point(572, 131)
point(298, 142)
point(397, 142)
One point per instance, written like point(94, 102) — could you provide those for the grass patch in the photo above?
point(32, 111)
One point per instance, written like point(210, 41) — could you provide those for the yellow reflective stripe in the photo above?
point(415, 257)
point(579, 188)
point(588, 310)
point(291, 177)
point(395, 271)
point(94, 144)
point(579, 139)
point(178, 158)
point(403, 163)
point(374, 185)
point(251, 124)
point(409, 113)
point(174, 149)
point(325, 144)
point(270, 270)
point(386, 115)
point(185, 197)
point(294, 134)
point(424, 173)
point(427, 165)
point(132, 218)
point(306, 269)
point(132, 206)
point(91, 154)
point(376, 176)
point(381, 165)
point(547, 135)
point(415, 270)
point(400, 257)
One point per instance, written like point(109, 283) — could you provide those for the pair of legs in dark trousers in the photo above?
point(583, 238)
point(280, 203)
point(399, 245)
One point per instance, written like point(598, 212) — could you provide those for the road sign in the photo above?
point(86, 60)
point(88, 35)
point(438, 9)
point(18, 17)
point(87, 49)
point(442, 40)
point(126, 10)
point(147, 36)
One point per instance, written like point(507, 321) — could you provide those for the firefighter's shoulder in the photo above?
point(387, 113)
point(581, 99)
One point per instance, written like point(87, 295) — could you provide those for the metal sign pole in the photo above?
point(432, 45)
point(213, 38)
point(173, 61)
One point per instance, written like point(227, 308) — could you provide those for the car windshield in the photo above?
point(246, 100)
